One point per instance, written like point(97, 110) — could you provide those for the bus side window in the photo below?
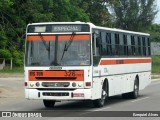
point(117, 44)
point(103, 47)
point(113, 43)
point(108, 44)
point(149, 46)
point(121, 45)
point(133, 48)
point(97, 42)
point(136, 45)
point(93, 45)
point(139, 46)
point(96, 47)
point(129, 44)
point(144, 46)
point(125, 45)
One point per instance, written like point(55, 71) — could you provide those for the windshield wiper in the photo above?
point(67, 44)
point(44, 42)
point(46, 46)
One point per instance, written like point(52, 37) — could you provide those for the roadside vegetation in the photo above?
point(15, 70)
point(156, 64)
point(134, 15)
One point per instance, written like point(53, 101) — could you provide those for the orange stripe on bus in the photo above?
point(75, 37)
point(124, 61)
point(61, 75)
point(34, 38)
point(60, 37)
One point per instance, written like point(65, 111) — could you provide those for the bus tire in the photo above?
point(135, 92)
point(49, 103)
point(104, 96)
point(126, 95)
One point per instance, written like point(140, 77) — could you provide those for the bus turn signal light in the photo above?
point(25, 84)
point(88, 84)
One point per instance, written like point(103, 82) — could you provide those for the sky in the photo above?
point(157, 18)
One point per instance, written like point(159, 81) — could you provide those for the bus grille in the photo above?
point(55, 94)
point(55, 89)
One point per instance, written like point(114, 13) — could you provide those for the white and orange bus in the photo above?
point(81, 61)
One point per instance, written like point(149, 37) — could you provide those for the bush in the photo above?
point(156, 64)
point(17, 58)
point(18, 62)
point(5, 53)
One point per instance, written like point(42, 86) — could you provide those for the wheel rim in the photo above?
point(103, 97)
point(136, 89)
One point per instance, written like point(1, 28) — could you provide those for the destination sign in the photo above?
point(55, 28)
point(67, 28)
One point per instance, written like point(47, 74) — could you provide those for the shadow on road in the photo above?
point(87, 105)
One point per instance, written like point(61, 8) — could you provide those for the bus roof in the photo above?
point(46, 23)
point(93, 26)
point(120, 30)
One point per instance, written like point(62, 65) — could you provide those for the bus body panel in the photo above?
point(85, 94)
point(32, 91)
point(121, 76)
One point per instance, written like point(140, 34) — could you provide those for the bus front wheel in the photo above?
point(104, 96)
point(49, 103)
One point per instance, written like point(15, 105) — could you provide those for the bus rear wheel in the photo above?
point(49, 103)
point(135, 92)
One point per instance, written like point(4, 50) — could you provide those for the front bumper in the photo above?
point(77, 94)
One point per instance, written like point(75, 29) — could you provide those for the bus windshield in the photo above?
point(50, 50)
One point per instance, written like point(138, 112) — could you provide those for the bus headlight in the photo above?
point(37, 84)
point(31, 84)
point(79, 84)
point(74, 84)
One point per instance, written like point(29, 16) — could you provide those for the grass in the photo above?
point(15, 70)
point(156, 64)
point(155, 77)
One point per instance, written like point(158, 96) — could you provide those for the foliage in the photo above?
point(5, 53)
point(16, 14)
point(67, 10)
point(155, 64)
point(136, 15)
point(154, 30)
point(16, 71)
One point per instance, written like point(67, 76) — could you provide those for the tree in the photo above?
point(68, 10)
point(5, 11)
point(16, 14)
point(136, 15)
point(154, 30)
point(96, 10)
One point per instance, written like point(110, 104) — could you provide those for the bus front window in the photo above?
point(77, 53)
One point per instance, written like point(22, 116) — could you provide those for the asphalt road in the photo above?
point(12, 99)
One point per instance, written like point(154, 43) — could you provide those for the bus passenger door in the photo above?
point(96, 47)
point(97, 70)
